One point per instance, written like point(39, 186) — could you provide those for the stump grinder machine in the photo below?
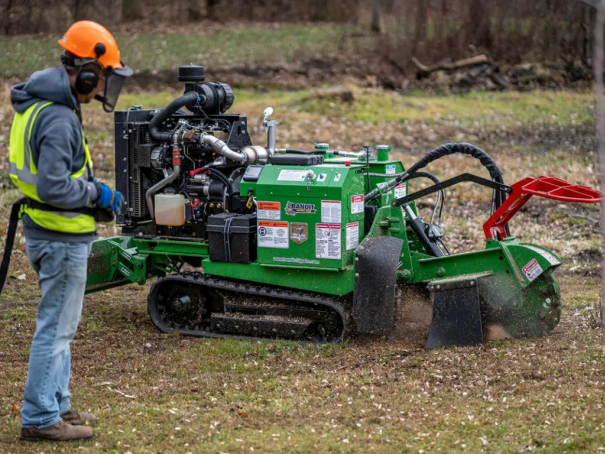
point(311, 246)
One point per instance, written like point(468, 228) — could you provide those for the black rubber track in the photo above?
point(301, 300)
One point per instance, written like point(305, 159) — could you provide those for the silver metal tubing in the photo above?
point(222, 149)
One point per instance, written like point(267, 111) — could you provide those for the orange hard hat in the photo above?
point(88, 40)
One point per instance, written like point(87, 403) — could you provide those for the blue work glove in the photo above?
point(108, 199)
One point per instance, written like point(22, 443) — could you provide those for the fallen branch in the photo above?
point(450, 65)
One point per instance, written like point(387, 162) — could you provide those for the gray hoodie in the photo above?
point(57, 149)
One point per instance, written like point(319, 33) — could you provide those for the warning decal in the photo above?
point(330, 211)
point(352, 237)
point(273, 234)
point(292, 175)
point(532, 270)
point(327, 241)
point(269, 210)
point(357, 204)
point(551, 258)
point(401, 190)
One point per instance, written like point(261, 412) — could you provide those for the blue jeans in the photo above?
point(61, 269)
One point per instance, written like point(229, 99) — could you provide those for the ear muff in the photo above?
point(86, 82)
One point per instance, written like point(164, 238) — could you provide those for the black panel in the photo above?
point(375, 281)
point(456, 315)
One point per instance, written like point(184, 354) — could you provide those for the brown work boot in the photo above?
point(78, 418)
point(58, 432)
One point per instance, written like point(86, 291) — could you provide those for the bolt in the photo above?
point(357, 259)
point(438, 287)
point(548, 301)
point(439, 272)
point(356, 274)
point(472, 283)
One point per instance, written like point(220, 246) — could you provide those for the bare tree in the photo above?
point(422, 18)
point(133, 9)
point(7, 13)
point(376, 24)
point(321, 10)
point(479, 23)
point(598, 73)
point(211, 8)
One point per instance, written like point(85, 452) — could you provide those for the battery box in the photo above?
point(232, 237)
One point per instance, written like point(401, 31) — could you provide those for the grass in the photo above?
point(154, 52)
point(166, 393)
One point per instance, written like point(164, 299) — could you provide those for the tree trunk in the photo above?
point(321, 10)
point(6, 28)
point(422, 17)
point(600, 117)
point(132, 10)
point(421, 20)
point(376, 25)
point(479, 25)
point(211, 8)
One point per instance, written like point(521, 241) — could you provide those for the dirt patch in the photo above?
point(588, 255)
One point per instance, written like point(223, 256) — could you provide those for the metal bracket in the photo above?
point(452, 182)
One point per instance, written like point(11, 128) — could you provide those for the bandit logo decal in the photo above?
point(293, 208)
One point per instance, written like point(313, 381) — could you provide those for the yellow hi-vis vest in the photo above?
point(24, 174)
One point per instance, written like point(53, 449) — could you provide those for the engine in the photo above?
point(180, 165)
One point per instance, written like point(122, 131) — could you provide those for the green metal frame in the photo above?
point(515, 280)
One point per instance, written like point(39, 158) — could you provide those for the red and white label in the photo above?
point(357, 204)
point(327, 241)
point(401, 190)
point(272, 234)
point(532, 270)
point(331, 211)
point(352, 237)
point(269, 210)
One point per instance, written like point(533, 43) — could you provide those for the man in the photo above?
point(51, 164)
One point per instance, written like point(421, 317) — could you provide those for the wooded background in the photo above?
point(509, 31)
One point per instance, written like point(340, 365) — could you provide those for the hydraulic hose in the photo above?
point(439, 152)
point(464, 148)
point(182, 101)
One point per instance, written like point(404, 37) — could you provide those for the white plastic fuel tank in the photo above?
point(169, 209)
